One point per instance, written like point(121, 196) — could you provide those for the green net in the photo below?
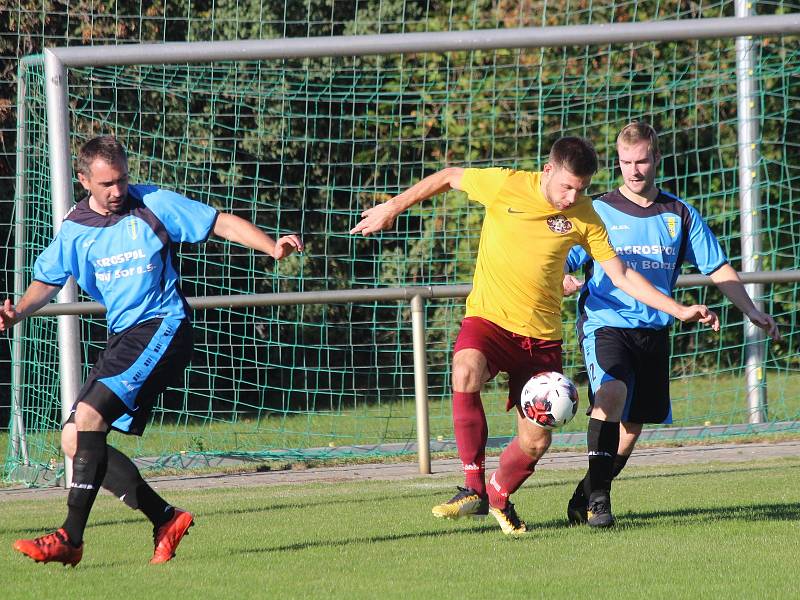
point(305, 145)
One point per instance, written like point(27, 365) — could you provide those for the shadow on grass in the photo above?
point(627, 521)
point(634, 519)
point(368, 539)
point(48, 527)
point(292, 505)
point(688, 516)
point(744, 512)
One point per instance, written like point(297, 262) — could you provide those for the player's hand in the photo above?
point(375, 219)
point(8, 316)
point(765, 322)
point(286, 245)
point(699, 313)
point(571, 284)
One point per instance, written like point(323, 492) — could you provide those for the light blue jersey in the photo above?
point(127, 261)
point(655, 241)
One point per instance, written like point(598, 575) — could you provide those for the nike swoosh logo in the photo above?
point(511, 211)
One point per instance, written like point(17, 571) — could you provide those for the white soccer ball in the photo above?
point(549, 400)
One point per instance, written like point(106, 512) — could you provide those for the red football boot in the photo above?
point(169, 535)
point(53, 547)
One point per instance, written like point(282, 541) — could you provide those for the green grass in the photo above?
point(708, 531)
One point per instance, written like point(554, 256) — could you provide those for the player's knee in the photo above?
point(466, 378)
point(69, 440)
point(534, 445)
point(470, 371)
point(87, 418)
point(610, 399)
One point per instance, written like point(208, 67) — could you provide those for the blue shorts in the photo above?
point(136, 366)
point(640, 359)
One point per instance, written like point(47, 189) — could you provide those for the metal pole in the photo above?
point(61, 186)
point(421, 384)
point(748, 134)
point(374, 294)
point(440, 41)
point(19, 444)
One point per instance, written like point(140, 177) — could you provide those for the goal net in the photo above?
point(304, 145)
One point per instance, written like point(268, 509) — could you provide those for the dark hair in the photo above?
point(639, 131)
point(106, 148)
point(575, 154)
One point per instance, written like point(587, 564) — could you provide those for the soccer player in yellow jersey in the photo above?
point(513, 316)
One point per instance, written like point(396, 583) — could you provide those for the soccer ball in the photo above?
point(549, 399)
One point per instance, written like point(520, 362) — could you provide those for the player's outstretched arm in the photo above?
point(241, 231)
point(727, 280)
point(382, 216)
point(633, 284)
point(35, 297)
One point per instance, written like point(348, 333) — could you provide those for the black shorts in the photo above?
point(640, 359)
point(136, 366)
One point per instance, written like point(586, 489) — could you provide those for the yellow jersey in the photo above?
point(523, 246)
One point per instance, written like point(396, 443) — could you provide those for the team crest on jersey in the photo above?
point(133, 228)
point(672, 226)
point(559, 224)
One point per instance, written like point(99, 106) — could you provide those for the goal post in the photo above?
point(388, 263)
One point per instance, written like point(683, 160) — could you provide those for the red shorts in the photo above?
point(520, 356)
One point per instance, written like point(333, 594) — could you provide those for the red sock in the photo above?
point(469, 423)
point(515, 468)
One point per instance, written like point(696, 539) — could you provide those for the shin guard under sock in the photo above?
point(620, 460)
point(515, 467)
point(602, 440)
point(88, 471)
point(471, 431)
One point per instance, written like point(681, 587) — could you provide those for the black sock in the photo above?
point(125, 482)
point(583, 487)
point(602, 440)
point(88, 470)
point(620, 460)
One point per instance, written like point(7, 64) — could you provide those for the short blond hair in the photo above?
point(636, 132)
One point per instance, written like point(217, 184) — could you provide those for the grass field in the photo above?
point(708, 531)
